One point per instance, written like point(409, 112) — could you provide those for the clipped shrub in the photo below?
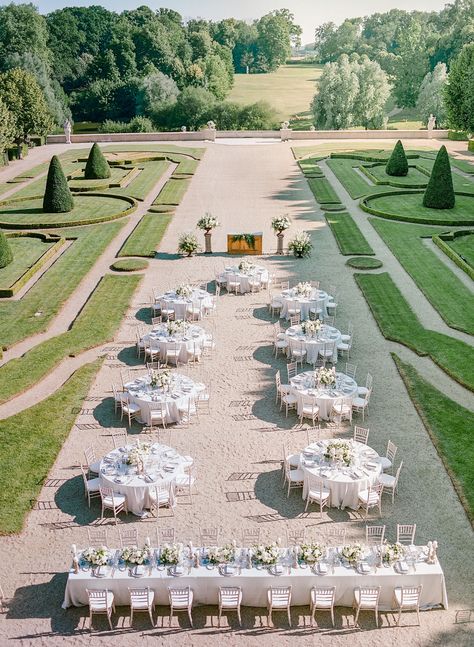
point(470, 146)
point(6, 255)
point(439, 193)
point(397, 165)
point(57, 195)
point(458, 135)
point(97, 167)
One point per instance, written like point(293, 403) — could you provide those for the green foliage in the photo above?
point(323, 191)
point(57, 195)
point(129, 265)
point(397, 165)
point(348, 236)
point(459, 246)
point(6, 255)
point(439, 193)
point(97, 167)
point(136, 125)
point(411, 64)
point(459, 93)
point(431, 97)
point(146, 237)
point(7, 127)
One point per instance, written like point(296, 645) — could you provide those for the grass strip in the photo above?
point(451, 428)
point(398, 322)
point(147, 235)
point(96, 324)
point(34, 311)
point(459, 247)
point(443, 289)
point(172, 192)
point(143, 183)
point(322, 190)
point(348, 236)
point(31, 441)
point(354, 184)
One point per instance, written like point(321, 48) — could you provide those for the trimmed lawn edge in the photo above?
point(364, 263)
point(439, 241)
point(129, 265)
point(349, 237)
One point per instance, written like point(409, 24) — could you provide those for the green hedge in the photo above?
point(12, 152)
point(470, 145)
point(440, 239)
point(458, 136)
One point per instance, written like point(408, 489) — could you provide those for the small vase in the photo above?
point(280, 237)
point(208, 240)
point(299, 254)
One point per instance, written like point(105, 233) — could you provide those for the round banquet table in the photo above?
point(303, 385)
point(258, 273)
point(344, 483)
point(159, 339)
point(162, 465)
point(318, 299)
point(327, 335)
point(199, 299)
point(180, 392)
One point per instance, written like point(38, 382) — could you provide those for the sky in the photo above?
point(308, 13)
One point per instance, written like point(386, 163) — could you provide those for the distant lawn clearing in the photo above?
point(407, 206)
point(289, 90)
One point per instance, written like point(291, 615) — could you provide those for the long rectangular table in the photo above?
point(255, 582)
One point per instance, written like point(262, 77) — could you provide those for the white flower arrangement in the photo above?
point(137, 454)
point(266, 554)
point(184, 291)
point(207, 222)
point(176, 327)
point(280, 223)
point(392, 552)
point(161, 379)
point(304, 289)
point(311, 553)
point(246, 266)
point(135, 555)
point(301, 244)
point(96, 556)
point(311, 328)
point(339, 451)
point(171, 554)
point(326, 376)
point(352, 553)
point(221, 554)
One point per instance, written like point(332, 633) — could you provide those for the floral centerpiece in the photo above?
point(188, 244)
point(171, 554)
point(311, 328)
point(161, 379)
point(339, 451)
point(266, 555)
point(207, 222)
point(303, 289)
point(392, 552)
point(221, 554)
point(301, 244)
point(352, 553)
point(96, 556)
point(134, 555)
point(325, 376)
point(246, 266)
point(311, 553)
point(184, 291)
point(176, 327)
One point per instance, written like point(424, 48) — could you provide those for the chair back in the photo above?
point(155, 321)
point(97, 537)
point(89, 455)
point(369, 596)
point(374, 534)
point(140, 597)
point(292, 369)
point(410, 596)
point(295, 320)
point(324, 596)
point(397, 475)
point(97, 599)
point(361, 435)
point(250, 537)
point(128, 537)
point(406, 533)
point(280, 595)
point(209, 536)
point(278, 380)
point(84, 470)
point(313, 435)
point(315, 484)
point(119, 439)
point(336, 536)
point(296, 537)
point(285, 285)
point(165, 536)
point(351, 370)
point(180, 597)
point(391, 451)
point(368, 382)
point(230, 595)
point(315, 284)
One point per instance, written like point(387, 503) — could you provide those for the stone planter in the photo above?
point(208, 242)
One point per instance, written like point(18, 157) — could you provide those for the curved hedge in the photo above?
point(129, 264)
point(76, 223)
point(364, 263)
point(332, 206)
point(453, 221)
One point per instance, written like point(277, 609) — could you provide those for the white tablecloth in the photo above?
point(181, 390)
point(326, 336)
point(303, 386)
point(205, 584)
point(159, 339)
point(198, 299)
point(163, 464)
point(343, 483)
point(259, 273)
point(318, 299)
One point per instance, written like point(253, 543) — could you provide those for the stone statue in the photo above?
point(67, 130)
point(211, 125)
point(183, 129)
point(431, 122)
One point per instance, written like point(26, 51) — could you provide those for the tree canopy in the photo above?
point(459, 92)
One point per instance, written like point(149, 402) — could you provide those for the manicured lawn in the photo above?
point(463, 246)
point(448, 295)
point(398, 322)
point(310, 167)
point(364, 263)
point(147, 235)
point(38, 186)
point(322, 190)
point(409, 207)
point(191, 151)
point(172, 192)
point(451, 428)
point(356, 185)
point(26, 250)
point(129, 265)
point(79, 181)
point(141, 186)
point(414, 178)
point(31, 440)
point(19, 319)
point(348, 236)
point(87, 209)
point(289, 90)
point(97, 323)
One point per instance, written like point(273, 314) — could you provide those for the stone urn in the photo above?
point(208, 241)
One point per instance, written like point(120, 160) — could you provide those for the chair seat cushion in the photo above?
point(290, 399)
point(343, 346)
point(296, 476)
point(143, 604)
point(385, 462)
point(119, 499)
point(341, 408)
point(345, 338)
point(366, 498)
point(310, 410)
point(281, 343)
point(133, 408)
point(362, 390)
point(387, 480)
point(359, 402)
point(95, 467)
point(319, 496)
point(93, 485)
point(293, 460)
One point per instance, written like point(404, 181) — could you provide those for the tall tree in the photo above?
point(7, 127)
point(411, 63)
point(431, 96)
point(334, 104)
point(273, 41)
point(459, 92)
point(23, 29)
point(374, 90)
point(156, 92)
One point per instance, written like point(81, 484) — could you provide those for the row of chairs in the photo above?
point(278, 599)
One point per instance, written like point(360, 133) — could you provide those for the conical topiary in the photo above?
point(57, 195)
point(397, 165)
point(97, 167)
point(6, 255)
point(439, 193)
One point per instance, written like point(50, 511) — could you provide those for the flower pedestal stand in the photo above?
point(208, 242)
point(280, 237)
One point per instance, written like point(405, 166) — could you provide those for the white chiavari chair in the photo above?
point(230, 599)
point(181, 599)
point(366, 598)
point(309, 409)
point(294, 309)
point(167, 310)
point(351, 370)
point(374, 535)
point(142, 600)
point(233, 283)
point(130, 409)
point(390, 483)
point(335, 536)
point(97, 537)
point(295, 537)
point(371, 498)
point(407, 598)
point(91, 486)
point(295, 320)
point(92, 463)
point(279, 344)
point(406, 533)
point(361, 435)
point(387, 460)
point(117, 398)
point(291, 370)
point(165, 536)
point(119, 439)
point(362, 390)
point(250, 537)
point(112, 501)
point(101, 602)
point(279, 599)
point(350, 329)
point(281, 389)
point(345, 347)
point(341, 410)
point(209, 536)
point(162, 495)
point(322, 599)
point(128, 537)
point(313, 435)
point(317, 493)
point(297, 351)
point(361, 405)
